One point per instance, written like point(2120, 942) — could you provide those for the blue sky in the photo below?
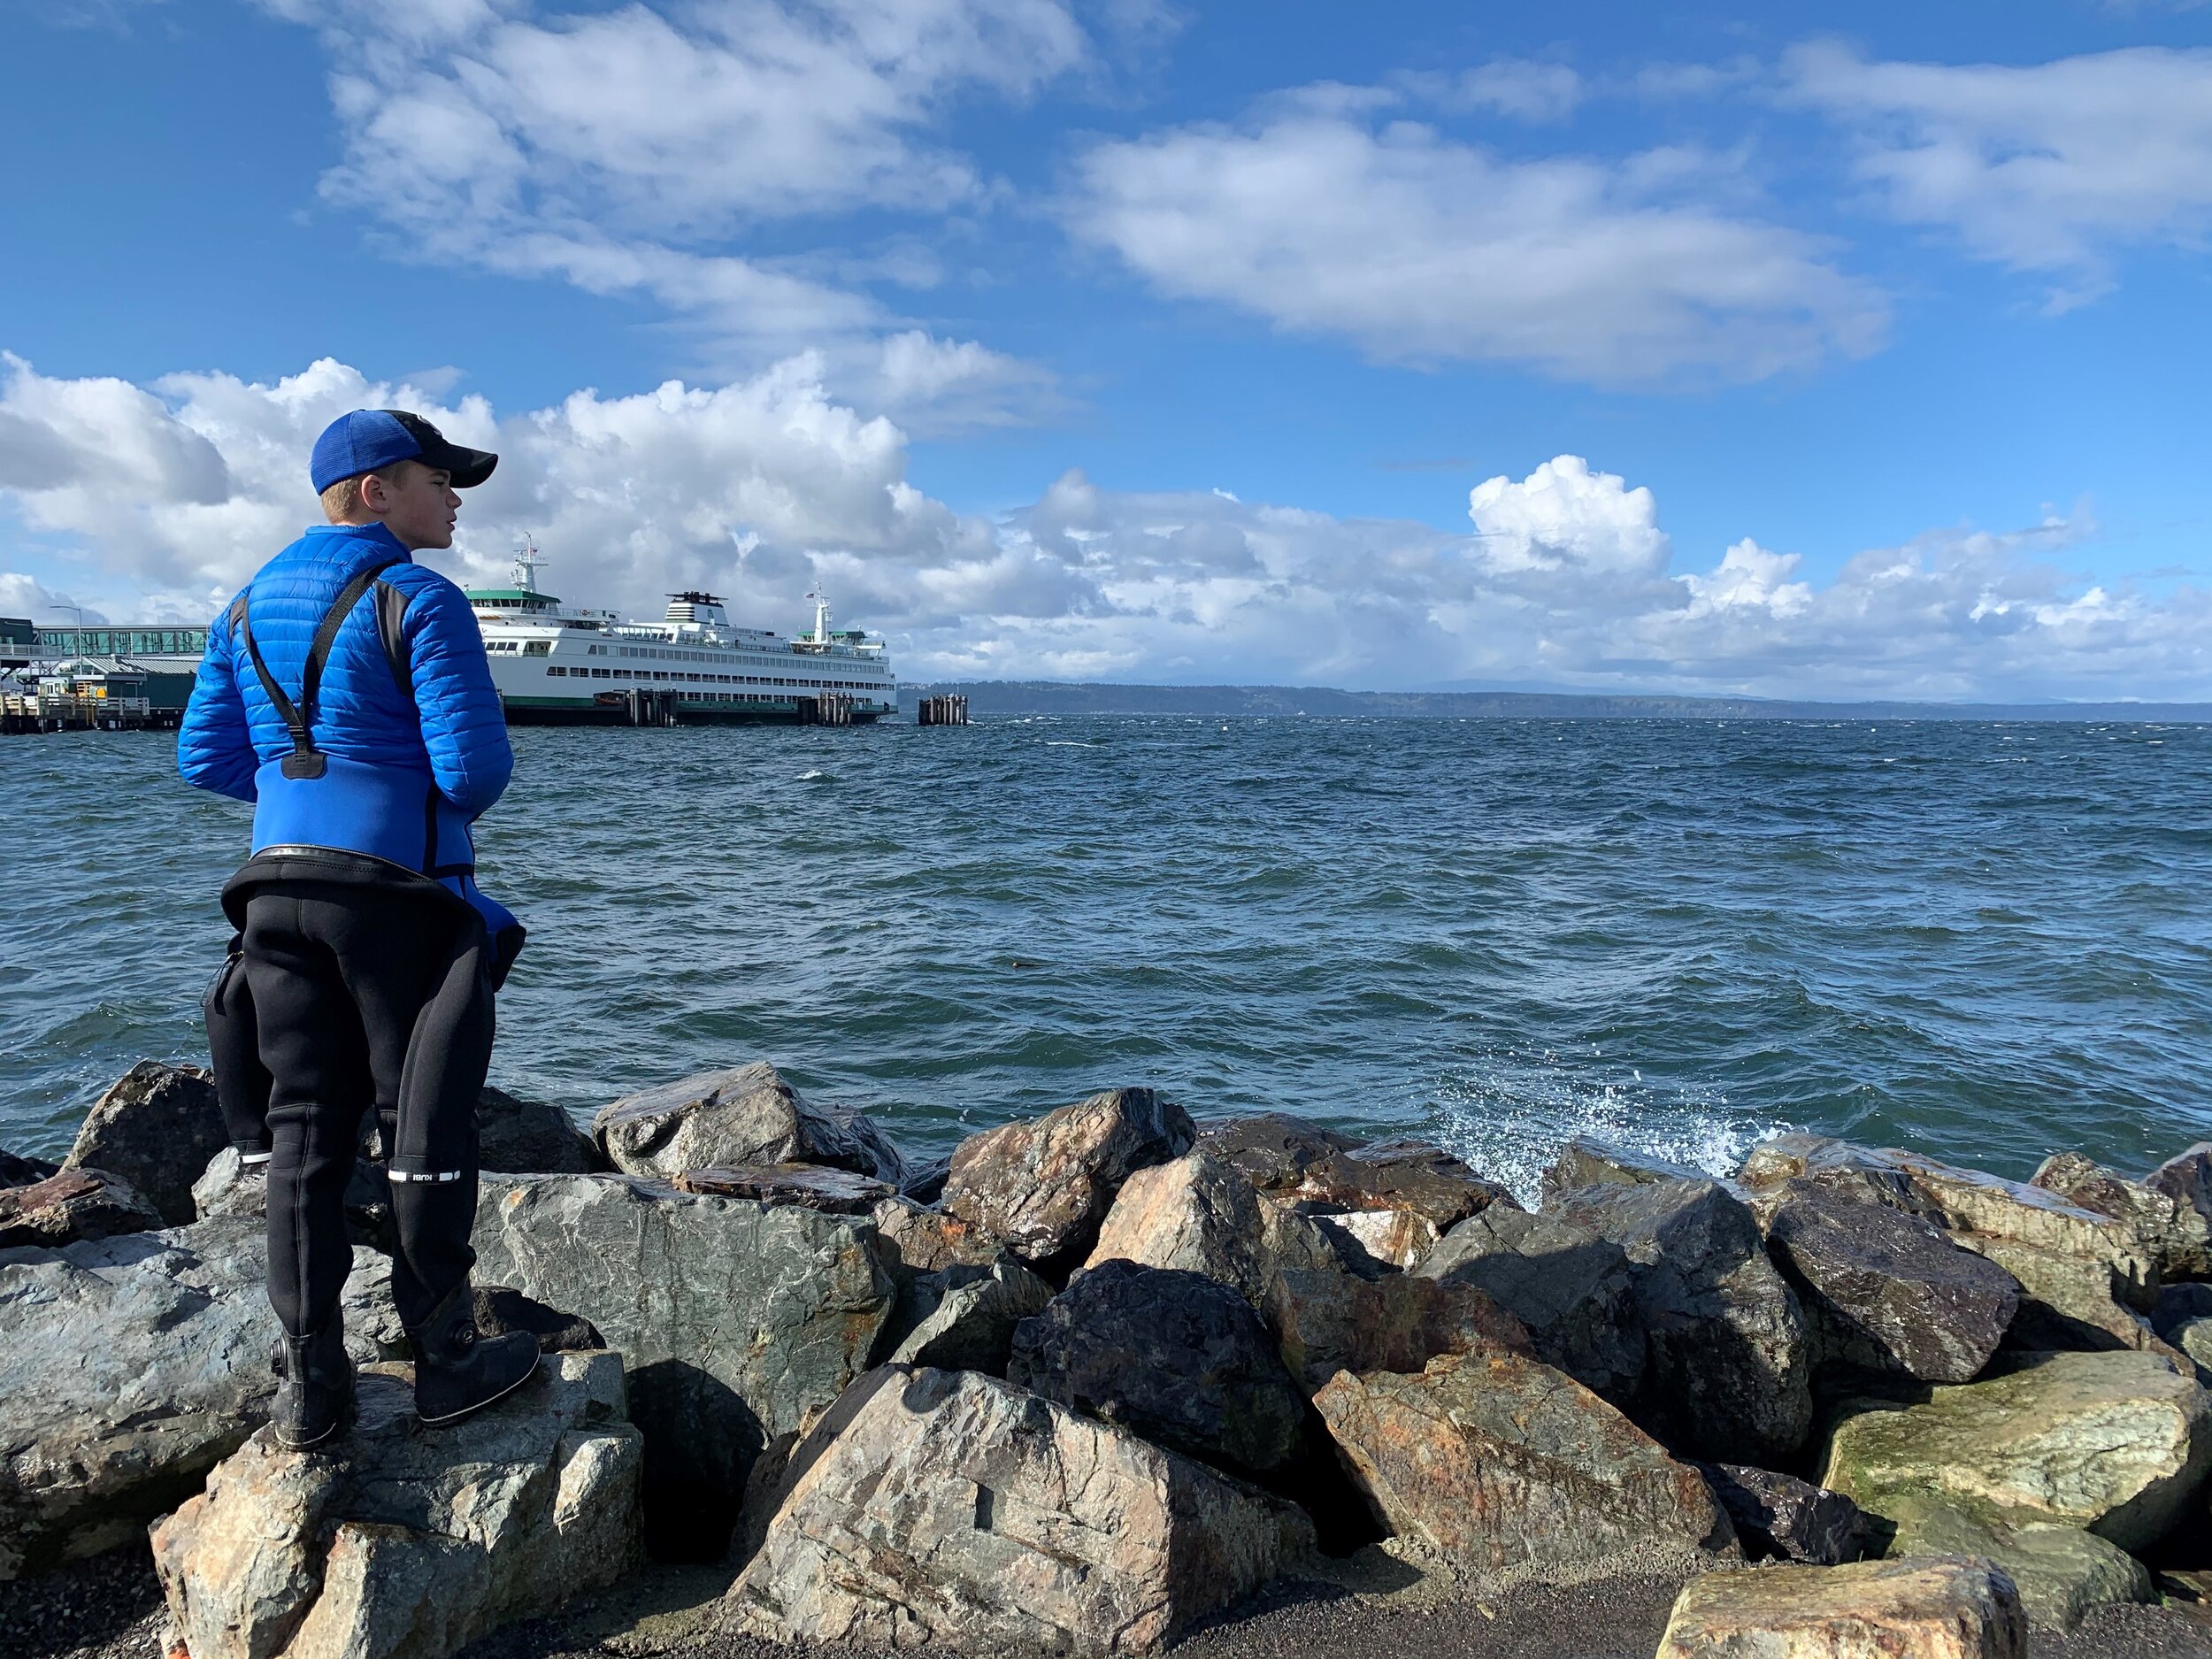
point(1805, 351)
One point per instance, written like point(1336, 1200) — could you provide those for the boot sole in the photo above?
point(344, 1422)
point(468, 1411)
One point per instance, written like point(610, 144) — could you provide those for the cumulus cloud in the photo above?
point(22, 595)
point(166, 497)
point(2045, 168)
point(1521, 87)
point(633, 152)
point(1423, 249)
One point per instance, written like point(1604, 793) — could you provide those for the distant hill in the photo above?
point(989, 697)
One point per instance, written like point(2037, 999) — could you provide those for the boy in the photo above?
point(345, 693)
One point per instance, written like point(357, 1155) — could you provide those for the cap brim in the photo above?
point(464, 468)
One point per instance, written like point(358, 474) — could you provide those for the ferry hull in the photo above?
point(662, 711)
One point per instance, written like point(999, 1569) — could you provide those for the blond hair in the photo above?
point(343, 501)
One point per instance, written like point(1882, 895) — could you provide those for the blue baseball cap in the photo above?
point(363, 439)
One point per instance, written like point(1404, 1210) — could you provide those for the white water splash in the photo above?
point(1511, 1112)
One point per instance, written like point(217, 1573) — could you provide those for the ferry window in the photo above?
point(536, 647)
point(554, 672)
point(603, 673)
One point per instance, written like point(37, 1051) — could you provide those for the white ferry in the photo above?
point(560, 664)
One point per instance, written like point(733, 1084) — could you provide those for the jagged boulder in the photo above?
point(1200, 1215)
point(1569, 1288)
point(964, 1318)
point(1727, 1368)
point(745, 1114)
point(1273, 1150)
point(74, 1205)
point(2085, 1279)
point(166, 1338)
point(740, 1322)
point(1888, 1291)
point(947, 1509)
point(2116, 1443)
point(528, 1137)
point(1175, 1357)
point(1930, 1607)
point(155, 1128)
point(1394, 1198)
point(1041, 1187)
point(1582, 1163)
point(1332, 1322)
point(1780, 1517)
point(411, 1543)
point(2062, 1572)
point(921, 1240)
point(2168, 1225)
point(1494, 1464)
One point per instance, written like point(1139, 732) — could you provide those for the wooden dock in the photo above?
point(24, 715)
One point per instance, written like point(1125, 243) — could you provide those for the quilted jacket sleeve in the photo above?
point(214, 748)
point(463, 726)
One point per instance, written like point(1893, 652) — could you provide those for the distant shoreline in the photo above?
point(989, 697)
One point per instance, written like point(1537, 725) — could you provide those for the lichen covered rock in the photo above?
point(74, 1205)
point(2116, 1443)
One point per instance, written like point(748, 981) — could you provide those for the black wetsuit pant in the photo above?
point(364, 998)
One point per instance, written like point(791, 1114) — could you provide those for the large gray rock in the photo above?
point(2076, 1267)
point(1273, 1150)
point(2183, 1318)
point(2118, 1444)
point(2187, 1180)
point(740, 1322)
point(410, 1543)
point(1887, 1290)
point(947, 1509)
point(1727, 1367)
point(1927, 1607)
point(967, 1316)
point(1041, 1187)
point(745, 1114)
point(129, 1367)
point(76, 1204)
point(1497, 1466)
point(1568, 1287)
point(1175, 1357)
point(1332, 1322)
point(1582, 1163)
point(529, 1137)
point(155, 1128)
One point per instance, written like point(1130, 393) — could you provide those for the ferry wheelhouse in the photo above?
point(555, 664)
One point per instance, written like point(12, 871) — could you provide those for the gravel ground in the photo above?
point(110, 1607)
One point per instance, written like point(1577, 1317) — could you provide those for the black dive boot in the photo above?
point(315, 1399)
point(458, 1370)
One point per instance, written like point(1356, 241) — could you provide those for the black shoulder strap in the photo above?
point(305, 761)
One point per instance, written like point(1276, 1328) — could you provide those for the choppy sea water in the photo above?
point(1984, 940)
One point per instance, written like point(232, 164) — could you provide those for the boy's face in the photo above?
point(417, 504)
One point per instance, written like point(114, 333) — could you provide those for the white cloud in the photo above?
point(22, 595)
point(1518, 86)
point(170, 495)
point(1422, 250)
point(2048, 167)
point(636, 152)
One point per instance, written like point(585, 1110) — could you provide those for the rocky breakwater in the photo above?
point(1108, 1372)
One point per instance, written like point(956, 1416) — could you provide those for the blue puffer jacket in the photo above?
point(404, 777)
